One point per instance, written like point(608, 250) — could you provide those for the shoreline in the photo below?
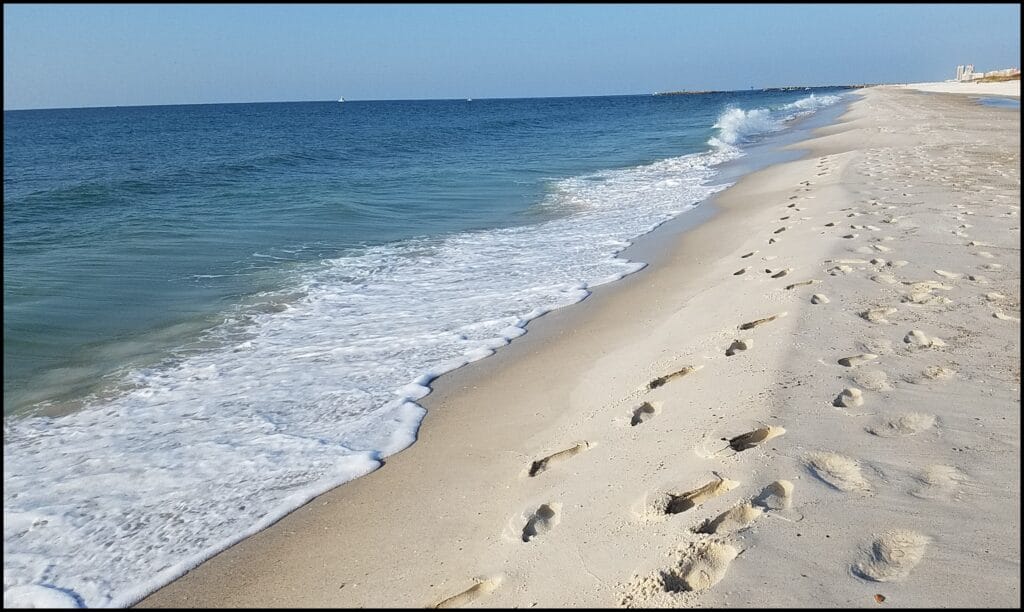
point(463, 492)
point(147, 568)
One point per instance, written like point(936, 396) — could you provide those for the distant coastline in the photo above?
point(685, 92)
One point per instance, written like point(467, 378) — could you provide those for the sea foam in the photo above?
point(737, 125)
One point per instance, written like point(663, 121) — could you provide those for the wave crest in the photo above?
point(736, 125)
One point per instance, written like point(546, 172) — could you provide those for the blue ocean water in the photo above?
point(213, 313)
point(1000, 102)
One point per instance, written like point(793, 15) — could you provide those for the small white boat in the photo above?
point(469, 99)
point(341, 99)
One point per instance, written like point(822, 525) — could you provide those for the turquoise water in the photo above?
point(213, 313)
point(128, 229)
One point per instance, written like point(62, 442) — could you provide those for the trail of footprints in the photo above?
point(889, 556)
point(702, 563)
point(705, 561)
point(893, 554)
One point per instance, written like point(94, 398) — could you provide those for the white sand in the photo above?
point(1004, 88)
point(927, 516)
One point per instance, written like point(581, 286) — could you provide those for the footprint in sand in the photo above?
point(819, 298)
point(542, 521)
point(949, 275)
point(892, 556)
point(916, 339)
point(731, 521)
point(747, 255)
point(1005, 317)
point(837, 471)
point(938, 482)
point(754, 438)
point(702, 565)
point(740, 271)
point(543, 464)
point(676, 503)
point(644, 412)
point(901, 425)
point(662, 380)
point(931, 373)
point(780, 230)
point(877, 345)
point(856, 360)
point(483, 587)
point(753, 324)
point(782, 273)
point(849, 397)
point(776, 496)
point(737, 346)
point(875, 380)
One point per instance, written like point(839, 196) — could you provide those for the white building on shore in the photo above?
point(967, 73)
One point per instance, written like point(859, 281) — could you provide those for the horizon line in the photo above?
point(6, 110)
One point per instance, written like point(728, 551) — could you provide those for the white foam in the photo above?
point(736, 125)
point(106, 504)
point(37, 596)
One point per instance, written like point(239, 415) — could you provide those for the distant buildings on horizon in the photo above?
point(966, 73)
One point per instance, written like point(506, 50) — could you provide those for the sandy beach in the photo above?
point(811, 399)
point(1004, 88)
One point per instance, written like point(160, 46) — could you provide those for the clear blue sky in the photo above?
point(105, 55)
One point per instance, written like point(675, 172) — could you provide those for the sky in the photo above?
point(66, 56)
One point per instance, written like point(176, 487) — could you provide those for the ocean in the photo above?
point(213, 313)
